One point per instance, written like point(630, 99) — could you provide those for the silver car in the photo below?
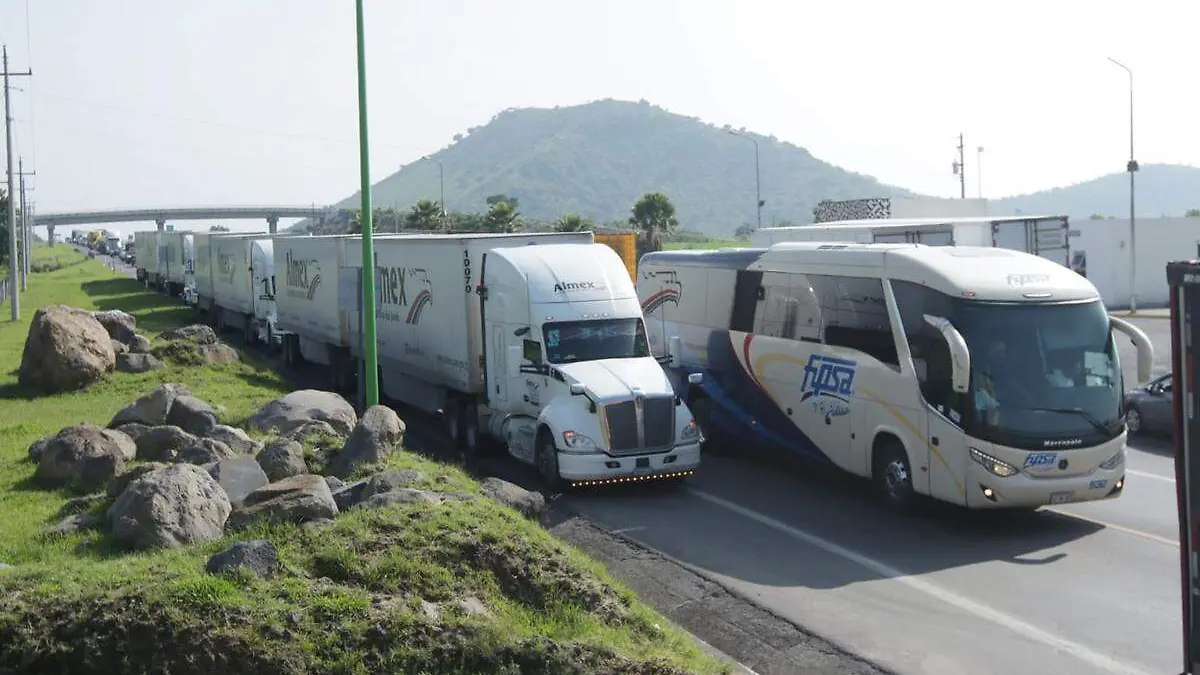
point(1151, 407)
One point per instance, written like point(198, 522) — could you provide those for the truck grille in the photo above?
point(658, 425)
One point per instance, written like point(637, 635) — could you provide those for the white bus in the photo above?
point(985, 377)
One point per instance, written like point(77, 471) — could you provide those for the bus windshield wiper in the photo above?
point(1096, 424)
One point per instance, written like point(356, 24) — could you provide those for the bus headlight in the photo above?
point(578, 442)
point(993, 465)
point(690, 431)
point(1114, 461)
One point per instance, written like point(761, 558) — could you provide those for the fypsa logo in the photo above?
point(829, 384)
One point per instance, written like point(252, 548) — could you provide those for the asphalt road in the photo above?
point(1091, 588)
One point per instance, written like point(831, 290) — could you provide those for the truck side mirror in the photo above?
point(577, 389)
point(532, 351)
point(674, 349)
point(960, 356)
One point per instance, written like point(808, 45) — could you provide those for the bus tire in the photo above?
point(892, 475)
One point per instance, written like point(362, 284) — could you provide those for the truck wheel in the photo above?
point(546, 458)
point(469, 436)
point(701, 408)
point(452, 421)
point(893, 476)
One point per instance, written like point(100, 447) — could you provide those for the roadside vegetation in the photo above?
point(462, 586)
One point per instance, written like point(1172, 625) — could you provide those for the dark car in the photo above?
point(1150, 408)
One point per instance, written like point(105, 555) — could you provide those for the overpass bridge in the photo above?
point(160, 216)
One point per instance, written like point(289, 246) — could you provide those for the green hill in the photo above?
point(1161, 190)
point(596, 159)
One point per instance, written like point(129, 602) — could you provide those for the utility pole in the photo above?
point(979, 170)
point(961, 169)
point(26, 227)
point(12, 215)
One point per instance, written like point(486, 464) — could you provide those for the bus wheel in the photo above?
point(893, 476)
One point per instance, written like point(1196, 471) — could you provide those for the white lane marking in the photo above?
point(1114, 526)
point(1147, 474)
point(1023, 628)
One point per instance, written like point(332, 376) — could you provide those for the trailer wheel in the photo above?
point(469, 435)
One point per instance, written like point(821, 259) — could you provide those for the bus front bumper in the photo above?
point(986, 490)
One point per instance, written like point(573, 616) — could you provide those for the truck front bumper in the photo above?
point(599, 469)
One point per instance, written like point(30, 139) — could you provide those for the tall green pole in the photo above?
point(370, 373)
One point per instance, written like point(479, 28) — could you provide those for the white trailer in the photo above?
point(308, 322)
point(534, 340)
point(201, 294)
point(1044, 236)
point(146, 251)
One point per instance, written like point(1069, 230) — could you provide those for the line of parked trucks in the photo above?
point(105, 242)
point(979, 375)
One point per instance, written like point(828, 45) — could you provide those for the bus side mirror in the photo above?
point(1145, 349)
point(960, 356)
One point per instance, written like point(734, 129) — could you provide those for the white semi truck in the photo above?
point(238, 291)
point(179, 261)
point(534, 340)
point(147, 251)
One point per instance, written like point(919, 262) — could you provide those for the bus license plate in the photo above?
point(1061, 497)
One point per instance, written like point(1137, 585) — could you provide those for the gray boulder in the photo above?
point(119, 347)
point(238, 476)
point(198, 333)
point(238, 440)
point(292, 410)
point(137, 363)
point(205, 451)
point(170, 507)
point(119, 325)
point(259, 557)
point(37, 448)
point(193, 415)
point(140, 344)
point(374, 437)
point(162, 444)
point(65, 349)
point(298, 499)
point(152, 407)
point(118, 483)
point(85, 457)
point(527, 502)
point(282, 459)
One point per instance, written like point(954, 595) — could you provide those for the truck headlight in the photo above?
point(575, 441)
point(1114, 461)
point(993, 465)
point(690, 431)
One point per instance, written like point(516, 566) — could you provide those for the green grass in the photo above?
point(350, 597)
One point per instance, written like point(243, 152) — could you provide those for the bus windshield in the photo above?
point(1041, 373)
point(572, 341)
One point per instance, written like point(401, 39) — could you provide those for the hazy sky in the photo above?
point(152, 103)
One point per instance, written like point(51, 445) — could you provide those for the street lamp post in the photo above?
point(1132, 167)
point(758, 201)
point(370, 365)
point(442, 187)
point(979, 170)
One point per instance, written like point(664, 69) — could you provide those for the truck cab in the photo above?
point(572, 386)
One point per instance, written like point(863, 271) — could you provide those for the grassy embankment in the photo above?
point(350, 598)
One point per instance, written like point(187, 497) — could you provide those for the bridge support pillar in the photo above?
point(272, 224)
point(162, 224)
point(49, 234)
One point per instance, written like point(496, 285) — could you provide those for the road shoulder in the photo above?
point(732, 625)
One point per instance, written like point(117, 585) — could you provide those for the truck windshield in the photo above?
point(571, 341)
point(1041, 373)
